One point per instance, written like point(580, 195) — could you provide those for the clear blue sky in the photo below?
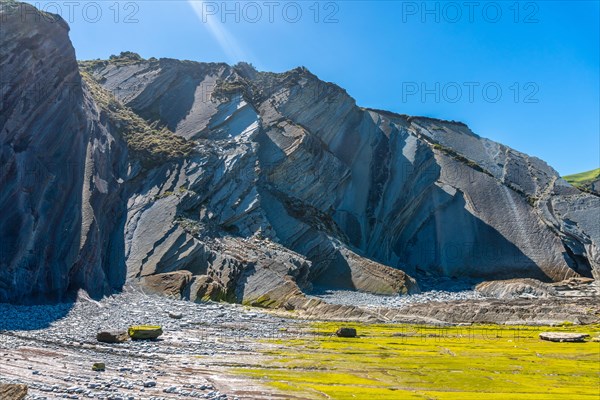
point(543, 56)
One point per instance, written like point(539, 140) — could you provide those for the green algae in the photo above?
point(426, 362)
point(142, 332)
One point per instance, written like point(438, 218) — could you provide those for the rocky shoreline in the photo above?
point(51, 348)
point(370, 301)
point(55, 358)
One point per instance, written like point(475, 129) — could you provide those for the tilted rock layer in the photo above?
point(272, 183)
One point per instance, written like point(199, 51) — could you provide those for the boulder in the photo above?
point(346, 332)
point(112, 336)
point(171, 284)
point(12, 391)
point(144, 332)
point(563, 336)
point(175, 315)
point(98, 366)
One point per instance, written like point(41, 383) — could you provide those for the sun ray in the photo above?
point(228, 43)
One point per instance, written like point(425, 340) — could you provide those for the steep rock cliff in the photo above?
point(61, 201)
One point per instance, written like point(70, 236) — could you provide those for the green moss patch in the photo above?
point(424, 362)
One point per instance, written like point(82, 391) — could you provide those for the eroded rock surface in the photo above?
point(542, 311)
point(515, 288)
point(12, 391)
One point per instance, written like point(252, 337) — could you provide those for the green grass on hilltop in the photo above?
point(585, 181)
point(583, 177)
point(419, 362)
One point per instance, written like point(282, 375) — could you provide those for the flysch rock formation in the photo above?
point(289, 159)
point(210, 181)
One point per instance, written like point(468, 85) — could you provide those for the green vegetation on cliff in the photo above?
point(426, 362)
point(123, 59)
point(147, 143)
point(584, 180)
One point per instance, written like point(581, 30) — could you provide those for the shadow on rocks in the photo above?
point(31, 317)
point(429, 283)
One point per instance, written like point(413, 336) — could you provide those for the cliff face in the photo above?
point(292, 160)
point(212, 181)
point(61, 202)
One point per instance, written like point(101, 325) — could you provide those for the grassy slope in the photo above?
point(150, 144)
point(476, 362)
point(583, 177)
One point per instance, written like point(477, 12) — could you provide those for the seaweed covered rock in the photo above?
point(204, 288)
point(145, 332)
point(99, 366)
point(346, 332)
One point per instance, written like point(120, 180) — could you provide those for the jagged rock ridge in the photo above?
point(293, 160)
